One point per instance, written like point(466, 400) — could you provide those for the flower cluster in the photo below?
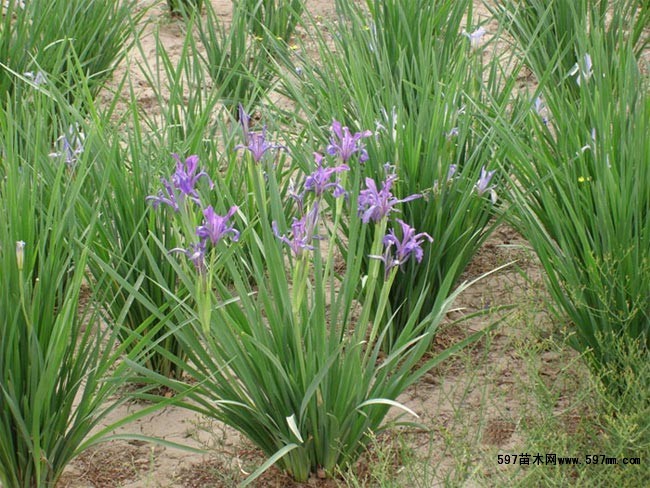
point(376, 204)
point(409, 245)
point(343, 144)
point(183, 185)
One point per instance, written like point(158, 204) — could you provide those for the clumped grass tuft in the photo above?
point(545, 32)
point(579, 196)
point(53, 41)
point(59, 370)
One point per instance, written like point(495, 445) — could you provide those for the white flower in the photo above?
point(390, 120)
point(38, 79)
point(592, 145)
point(475, 37)
point(585, 72)
point(17, 3)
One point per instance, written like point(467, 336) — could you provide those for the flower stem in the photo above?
point(23, 303)
point(371, 279)
point(329, 263)
point(381, 308)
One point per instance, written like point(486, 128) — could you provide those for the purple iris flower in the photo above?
point(302, 232)
point(71, 145)
point(244, 120)
point(482, 185)
point(255, 142)
point(196, 254)
point(344, 144)
point(183, 184)
point(539, 108)
point(409, 245)
point(187, 175)
point(166, 196)
point(257, 145)
point(319, 180)
point(376, 204)
point(215, 227)
point(475, 37)
point(454, 132)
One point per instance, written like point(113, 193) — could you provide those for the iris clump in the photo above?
point(213, 227)
point(60, 374)
point(71, 45)
point(304, 383)
point(403, 69)
point(274, 287)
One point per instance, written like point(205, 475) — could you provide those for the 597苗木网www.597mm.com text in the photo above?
point(555, 460)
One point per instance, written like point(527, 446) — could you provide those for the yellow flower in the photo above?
point(581, 179)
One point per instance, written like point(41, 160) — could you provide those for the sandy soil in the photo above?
point(484, 401)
